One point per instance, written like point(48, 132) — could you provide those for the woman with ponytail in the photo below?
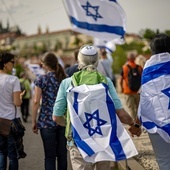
point(53, 135)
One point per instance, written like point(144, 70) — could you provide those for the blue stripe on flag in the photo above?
point(98, 28)
point(155, 71)
point(114, 141)
point(150, 125)
point(75, 104)
point(113, 0)
point(81, 144)
point(102, 46)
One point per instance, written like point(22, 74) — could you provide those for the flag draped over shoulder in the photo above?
point(103, 19)
point(97, 132)
point(154, 107)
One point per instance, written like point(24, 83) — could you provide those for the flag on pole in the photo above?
point(103, 19)
point(97, 131)
point(154, 107)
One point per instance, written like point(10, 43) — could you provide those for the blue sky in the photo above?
point(29, 14)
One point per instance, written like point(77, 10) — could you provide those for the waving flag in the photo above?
point(103, 19)
point(97, 131)
point(154, 107)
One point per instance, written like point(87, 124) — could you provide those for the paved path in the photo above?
point(33, 148)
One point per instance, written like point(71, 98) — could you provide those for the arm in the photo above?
point(121, 83)
point(35, 107)
point(121, 113)
point(125, 118)
point(17, 98)
point(60, 120)
point(121, 80)
point(60, 106)
point(17, 94)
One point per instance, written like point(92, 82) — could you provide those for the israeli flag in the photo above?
point(103, 19)
point(154, 107)
point(97, 131)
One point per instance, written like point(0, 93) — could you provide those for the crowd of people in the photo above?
point(70, 127)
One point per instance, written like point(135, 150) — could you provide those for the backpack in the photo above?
point(134, 78)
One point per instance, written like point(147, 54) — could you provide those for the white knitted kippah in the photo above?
point(88, 50)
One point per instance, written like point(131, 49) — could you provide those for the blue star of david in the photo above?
point(100, 122)
point(92, 11)
point(167, 93)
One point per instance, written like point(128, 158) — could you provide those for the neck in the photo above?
point(3, 72)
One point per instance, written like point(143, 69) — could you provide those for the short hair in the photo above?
point(88, 57)
point(160, 44)
point(103, 51)
point(131, 56)
point(5, 57)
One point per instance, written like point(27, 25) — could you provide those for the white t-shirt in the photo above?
point(8, 85)
point(104, 67)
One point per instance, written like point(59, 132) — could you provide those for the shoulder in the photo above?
point(71, 70)
point(41, 77)
point(12, 78)
point(108, 80)
point(66, 83)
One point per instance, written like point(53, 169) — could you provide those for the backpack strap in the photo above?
point(137, 66)
point(129, 66)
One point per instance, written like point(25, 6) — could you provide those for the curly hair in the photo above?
point(5, 57)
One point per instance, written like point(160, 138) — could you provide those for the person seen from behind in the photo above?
point(154, 106)
point(10, 98)
point(72, 69)
point(52, 134)
point(105, 66)
point(26, 85)
point(131, 95)
point(88, 74)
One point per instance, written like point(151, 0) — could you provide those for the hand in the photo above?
point(34, 128)
point(21, 94)
point(135, 131)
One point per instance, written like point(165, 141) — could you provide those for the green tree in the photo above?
point(149, 34)
point(58, 45)
point(167, 32)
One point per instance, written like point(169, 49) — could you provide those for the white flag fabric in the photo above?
point(97, 131)
point(103, 19)
point(154, 106)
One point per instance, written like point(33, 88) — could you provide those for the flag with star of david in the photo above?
point(97, 131)
point(103, 19)
point(154, 107)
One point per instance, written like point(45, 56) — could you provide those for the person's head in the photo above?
point(131, 56)
point(103, 53)
point(160, 44)
point(50, 62)
point(6, 61)
point(88, 57)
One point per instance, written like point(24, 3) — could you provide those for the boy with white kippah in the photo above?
point(88, 75)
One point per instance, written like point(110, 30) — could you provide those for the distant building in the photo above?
point(62, 42)
point(8, 35)
point(64, 39)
